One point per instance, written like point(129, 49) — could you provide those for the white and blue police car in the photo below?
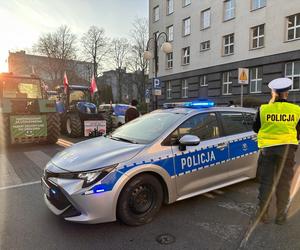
point(165, 156)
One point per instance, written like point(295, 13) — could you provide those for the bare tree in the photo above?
point(138, 65)
point(95, 47)
point(119, 53)
point(60, 48)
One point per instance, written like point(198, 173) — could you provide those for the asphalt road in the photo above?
point(217, 220)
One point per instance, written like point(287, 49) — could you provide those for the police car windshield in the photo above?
point(147, 128)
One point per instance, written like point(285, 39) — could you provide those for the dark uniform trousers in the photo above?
point(276, 170)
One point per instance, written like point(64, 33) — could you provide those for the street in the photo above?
point(216, 220)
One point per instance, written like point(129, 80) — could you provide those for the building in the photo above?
point(50, 70)
point(213, 38)
point(120, 79)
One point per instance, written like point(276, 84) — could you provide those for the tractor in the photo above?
point(77, 111)
point(25, 115)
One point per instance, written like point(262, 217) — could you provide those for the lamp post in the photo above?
point(165, 46)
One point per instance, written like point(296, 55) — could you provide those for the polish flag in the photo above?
point(93, 87)
point(66, 83)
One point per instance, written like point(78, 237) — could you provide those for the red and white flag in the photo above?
point(93, 87)
point(66, 83)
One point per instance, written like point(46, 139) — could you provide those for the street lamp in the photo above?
point(165, 46)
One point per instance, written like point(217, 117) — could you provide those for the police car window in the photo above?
point(147, 128)
point(249, 120)
point(205, 126)
point(233, 123)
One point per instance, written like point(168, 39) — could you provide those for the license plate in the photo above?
point(46, 188)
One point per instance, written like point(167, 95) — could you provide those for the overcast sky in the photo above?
point(22, 21)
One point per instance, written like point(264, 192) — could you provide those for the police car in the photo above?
point(168, 155)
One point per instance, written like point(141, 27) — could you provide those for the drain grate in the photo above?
point(165, 239)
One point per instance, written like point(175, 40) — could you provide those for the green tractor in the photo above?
point(79, 116)
point(25, 115)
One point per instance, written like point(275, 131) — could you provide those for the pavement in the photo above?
point(216, 220)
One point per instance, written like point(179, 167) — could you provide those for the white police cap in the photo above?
point(280, 84)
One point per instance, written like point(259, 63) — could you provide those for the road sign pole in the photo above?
point(242, 93)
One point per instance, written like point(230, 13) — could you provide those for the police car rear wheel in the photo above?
point(140, 200)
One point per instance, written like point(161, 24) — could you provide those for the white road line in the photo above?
point(20, 185)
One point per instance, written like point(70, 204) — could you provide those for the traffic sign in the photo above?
point(156, 86)
point(243, 76)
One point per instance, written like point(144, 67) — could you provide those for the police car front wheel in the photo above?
point(140, 200)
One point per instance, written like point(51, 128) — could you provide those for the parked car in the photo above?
point(118, 112)
point(165, 156)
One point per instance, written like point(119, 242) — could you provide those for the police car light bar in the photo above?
point(193, 104)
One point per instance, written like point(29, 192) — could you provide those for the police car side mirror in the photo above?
point(188, 140)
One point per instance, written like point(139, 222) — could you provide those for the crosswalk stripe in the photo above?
point(19, 185)
point(8, 176)
point(38, 157)
point(64, 143)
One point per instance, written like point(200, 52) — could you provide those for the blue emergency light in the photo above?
point(193, 104)
point(199, 104)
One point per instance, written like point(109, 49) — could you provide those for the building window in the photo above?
point(184, 89)
point(228, 44)
point(205, 46)
point(186, 25)
point(258, 36)
point(257, 4)
point(169, 89)
point(170, 33)
point(169, 60)
point(256, 80)
point(156, 13)
point(205, 19)
point(226, 83)
point(229, 9)
point(170, 7)
point(292, 71)
point(293, 27)
point(186, 55)
point(203, 82)
point(186, 2)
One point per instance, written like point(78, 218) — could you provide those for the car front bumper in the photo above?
point(67, 199)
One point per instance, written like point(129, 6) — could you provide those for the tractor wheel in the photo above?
point(4, 132)
point(73, 125)
point(53, 127)
point(109, 122)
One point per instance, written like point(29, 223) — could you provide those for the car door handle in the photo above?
point(222, 145)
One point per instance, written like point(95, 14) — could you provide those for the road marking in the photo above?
point(38, 157)
point(8, 176)
point(246, 208)
point(20, 185)
point(209, 195)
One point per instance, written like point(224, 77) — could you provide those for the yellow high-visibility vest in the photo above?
point(278, 124)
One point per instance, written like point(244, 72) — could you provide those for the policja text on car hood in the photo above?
point(95, 154)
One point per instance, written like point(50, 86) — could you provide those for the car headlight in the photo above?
point(93, 177)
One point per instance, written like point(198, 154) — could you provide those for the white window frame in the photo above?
point(258, 4)
point(205, 19)
point(294, 28)
point(205, 48)
point(203, 81)
point(186, 26)
point(184, 89)
point(226, 82)
point(186, 56)
point(170, 33)
point(156, 13)
point(293, 75)
point(230, 10)
point(186, 2)
point(255, 81)
point(169, 90)
point(169, 60)
point(231, 43)
point(259, 36)
point(170, 7)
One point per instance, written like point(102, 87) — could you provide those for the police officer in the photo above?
point(277, 124)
